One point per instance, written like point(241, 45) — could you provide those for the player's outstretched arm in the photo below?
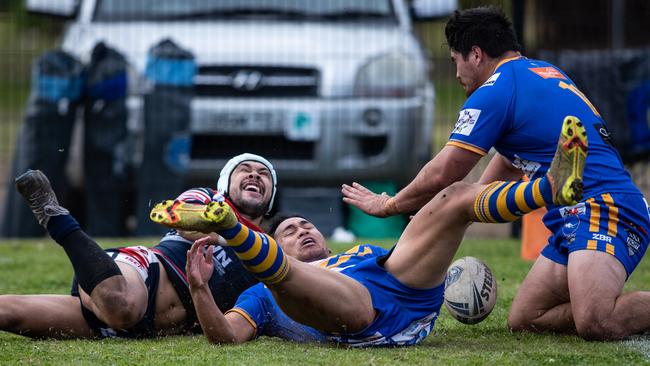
point(450, 165)
point(232, 328)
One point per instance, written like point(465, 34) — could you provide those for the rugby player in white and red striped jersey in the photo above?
point(136, 291)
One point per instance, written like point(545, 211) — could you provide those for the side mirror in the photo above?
point(432, 9)
point(57, 8)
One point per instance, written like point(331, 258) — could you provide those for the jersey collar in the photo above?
point(507, 60)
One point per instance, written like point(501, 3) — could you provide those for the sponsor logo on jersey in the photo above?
point(132, 261)
point(633, 243)
point(601, 237)
point(576, 210)
point(467, 119)
point(529, 167)
point(491, 80)
point(548, 72)
point(221, 259)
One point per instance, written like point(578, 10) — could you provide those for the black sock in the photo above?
point(90, 262)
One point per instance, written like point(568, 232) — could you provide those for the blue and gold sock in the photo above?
point(259, 253)
point(507, 201)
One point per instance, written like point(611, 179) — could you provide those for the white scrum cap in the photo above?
point(223, 184)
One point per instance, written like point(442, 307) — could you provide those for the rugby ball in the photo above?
point(470, 290)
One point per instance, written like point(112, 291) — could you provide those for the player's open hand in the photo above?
point(200, 263)
point(368, 201)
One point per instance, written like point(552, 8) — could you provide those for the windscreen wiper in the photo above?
point(235, 13)
point(353, 15)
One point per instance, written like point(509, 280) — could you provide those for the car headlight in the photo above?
point(389, 75)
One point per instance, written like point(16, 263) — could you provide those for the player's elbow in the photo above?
point(435, 181)
point(221, 338)
point(219, 335)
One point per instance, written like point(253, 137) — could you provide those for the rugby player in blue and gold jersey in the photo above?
point(517, 106)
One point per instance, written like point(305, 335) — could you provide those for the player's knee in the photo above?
point(451, 197)
point(518, 321)
point(594, 327)
point(123, 315)
point(524, 318)
point(118, 309)
point(456, 189)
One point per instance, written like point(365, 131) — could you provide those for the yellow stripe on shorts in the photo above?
point(612, 222)
point(592, 244)
point(594, 218)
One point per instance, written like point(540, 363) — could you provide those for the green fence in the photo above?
point(23, 37)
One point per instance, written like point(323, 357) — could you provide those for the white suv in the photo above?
point(328, 90)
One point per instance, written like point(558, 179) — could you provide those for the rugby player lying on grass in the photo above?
point(367, 296)
point(135, 292)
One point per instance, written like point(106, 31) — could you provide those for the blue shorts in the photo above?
point(616, 223)
point(405, 315)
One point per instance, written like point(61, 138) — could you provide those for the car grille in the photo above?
point(256, 81)
point(271, 147)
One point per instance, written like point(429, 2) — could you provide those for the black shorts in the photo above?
point(145, 327)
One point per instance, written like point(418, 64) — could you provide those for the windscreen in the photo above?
point(301, 10)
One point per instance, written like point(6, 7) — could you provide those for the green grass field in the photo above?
point(39, 266)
